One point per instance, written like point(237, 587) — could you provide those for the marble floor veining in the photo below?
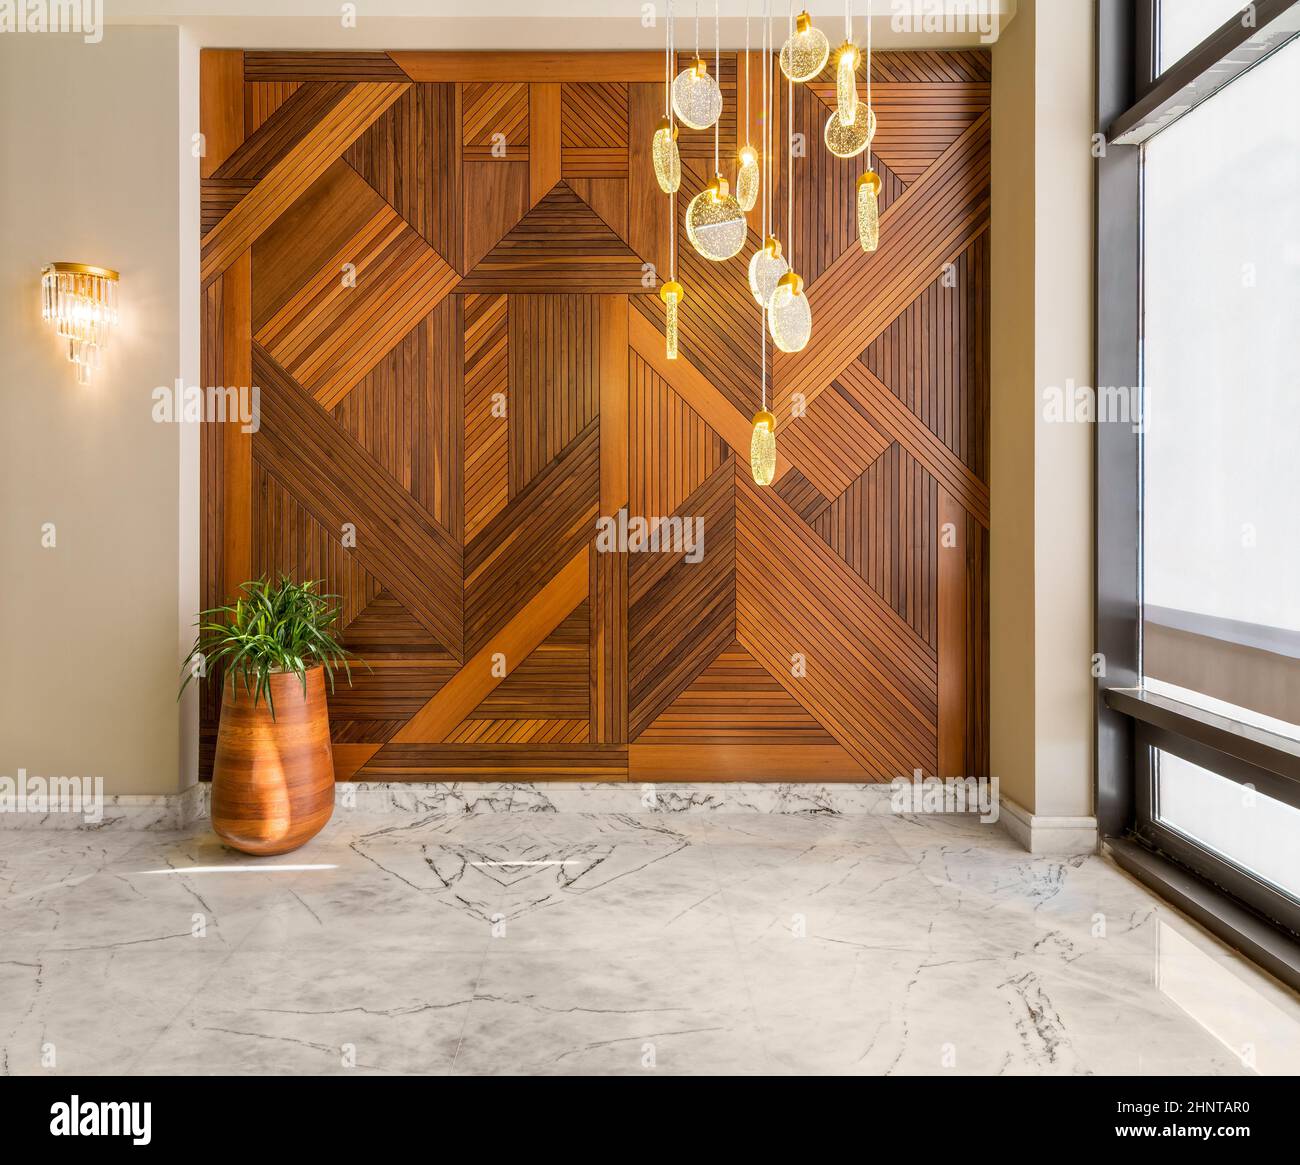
point(538, 942)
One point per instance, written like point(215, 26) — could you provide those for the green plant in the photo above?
point(281, 627)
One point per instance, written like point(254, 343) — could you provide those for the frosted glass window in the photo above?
point(1221, 354)
point(1185, 23)
point(1254, 832)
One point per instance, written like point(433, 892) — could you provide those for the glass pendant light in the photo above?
point(747, 179)
point(869, 210)
point(697, 100)
point(715, 224)
point(848, 140)
point(789, 314)
point(762, 448)
point(846, 82)
point(765, 270)
point(667, 159)
point(804, 55)
point(672, 295)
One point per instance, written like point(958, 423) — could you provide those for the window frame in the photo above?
point(1134, 103)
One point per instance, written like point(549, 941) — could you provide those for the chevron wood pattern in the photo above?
point(440, 272)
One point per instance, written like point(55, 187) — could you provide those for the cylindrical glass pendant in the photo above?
point(672, 295)
point(667, 159)
point(715, 224)
point(747, 179)
point(804, 55)
point(869, 210)
point(789, 314)
point(847, 141)
point(762, 448)
point(697, 99)
point(846, 83)
point(765, 270)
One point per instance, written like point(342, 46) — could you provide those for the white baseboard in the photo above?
point(1039, 834)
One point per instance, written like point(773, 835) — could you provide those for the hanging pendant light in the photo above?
point(762, 448)
point(667, 159)
point(672, 294)
point(765, 270)
point(789, 314)
point(697, 99)
point(846, 82)
point(715, 224)
point(804, 55)
point(747, 178)
point(869, 210)
point(847, 141)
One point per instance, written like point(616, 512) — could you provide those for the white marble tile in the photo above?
point(440, 937)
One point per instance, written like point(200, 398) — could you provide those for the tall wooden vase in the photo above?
point(273, 780)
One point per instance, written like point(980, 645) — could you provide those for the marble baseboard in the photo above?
point(1051, 836)
point(124, 811)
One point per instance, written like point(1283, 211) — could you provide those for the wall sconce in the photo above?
point(81, 302)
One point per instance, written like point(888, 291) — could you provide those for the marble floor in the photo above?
point(543, 942)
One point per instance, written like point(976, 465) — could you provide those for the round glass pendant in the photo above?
point(869, 210)
point(789, 314)
point(765, 270)
point(762, 448)
point(697, 99)
point(847, 141)
point(846, 82)
point(804, 55)
point(667, 159)
point(715, 224)
point(747, 179)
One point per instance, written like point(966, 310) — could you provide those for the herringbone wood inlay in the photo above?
point(440, 271)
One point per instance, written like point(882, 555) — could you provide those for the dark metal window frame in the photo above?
point(1134, 102)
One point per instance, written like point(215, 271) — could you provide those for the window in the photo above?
point(1198, 506)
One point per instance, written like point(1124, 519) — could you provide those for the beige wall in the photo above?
point(1042, 568)
point(92, 172)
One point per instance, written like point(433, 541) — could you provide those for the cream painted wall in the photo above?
point(93, 171)
point(1042, 318)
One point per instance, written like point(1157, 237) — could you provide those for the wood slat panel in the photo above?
point(524, 66)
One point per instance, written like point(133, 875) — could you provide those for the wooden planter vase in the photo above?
point(273, 780)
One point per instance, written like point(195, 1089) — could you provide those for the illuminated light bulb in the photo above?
point(672, 294)
point(869, 210)
point(765, 270)
point(847, 141)
point(789, 314)
point(846, 83)
point(804, 55)
point(696, 96)
point(667, 159)
point(762, 448)
point(715, 224)
point(747, 179)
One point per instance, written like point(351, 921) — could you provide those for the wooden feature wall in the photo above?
point(441, 272)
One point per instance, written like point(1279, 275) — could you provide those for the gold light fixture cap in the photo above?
point(81, 269)
point(802, 22)
point(664, 123)
point(872, 179)
point(763, 417)
point(748, 155)
point(701, 67)
point(792, 281)
point(672, 290)
point(848, 47)
point(772, 246)
point(718, 188)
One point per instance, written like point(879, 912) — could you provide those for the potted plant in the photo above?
point(273, 775)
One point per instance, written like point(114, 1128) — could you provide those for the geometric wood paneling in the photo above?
point(434, 269)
